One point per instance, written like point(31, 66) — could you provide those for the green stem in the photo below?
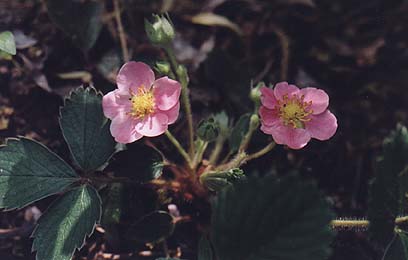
point(242, 157)
point(178, 146)
point(183, 79)
point(253, 126)
point(219, 143)
point(199, 153)
point(234, 163)
point(260, 153)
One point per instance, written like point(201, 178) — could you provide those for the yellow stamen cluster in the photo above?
point(142, 103)
point(294, 111)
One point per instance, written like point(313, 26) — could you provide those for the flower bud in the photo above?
point(163, 68)
point(255, 93)
point(254, 121)
point(208, 130)
point(161, 31)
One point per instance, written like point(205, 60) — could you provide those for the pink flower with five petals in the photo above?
point(293, 116)
point(141, 106)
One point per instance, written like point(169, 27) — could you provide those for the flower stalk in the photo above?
point(182, 77)
point(198, 157)
point(179, 148)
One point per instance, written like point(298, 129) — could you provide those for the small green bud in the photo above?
point(182, 74)
point(255, 93)
point(161, 31)
point(163, 68)
point(208, 130)
point(254, 121)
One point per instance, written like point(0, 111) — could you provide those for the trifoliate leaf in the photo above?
point(66, 224)
point(29, 171)
point(7, 43)
point(80, 20)
point(385, 199)
point(86, 130)
point(204, 249)
point(139, 162)
point(153, 227)
point(239, 131)
point(266, 218)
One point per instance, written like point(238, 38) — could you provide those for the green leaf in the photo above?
point(80, 20)
point(385, 199)
point(7, 43)
point(153, 227)
point(139, 162)
point(267, 218)
point(86, 129)
point(29, 171)
point(204, 249)
point(66, 224)
point(239, 131)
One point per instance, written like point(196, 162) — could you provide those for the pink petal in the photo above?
point(295, 138)
point(133, 74)
point(322, 126)
point(269, 117)
point(166, 92)
point(113, 103)
point(153, 125)
point(268, 98)
point(172, 114)
point(283, 88)
point(319, 98)
point(123, 129)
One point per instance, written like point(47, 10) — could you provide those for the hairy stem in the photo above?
point(121, 31)
point(199, 153)
point(253, 125)
point(184, 95)
point(219, 143)
point(363, 223)
point(178, 146)
point(260, 153)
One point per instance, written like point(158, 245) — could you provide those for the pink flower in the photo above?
point(141, 106)
point(293, 116)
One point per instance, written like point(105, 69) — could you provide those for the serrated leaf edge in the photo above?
point(18, 139)
point(76, 91)
point(32, 236)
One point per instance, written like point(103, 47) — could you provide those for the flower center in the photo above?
point(142, 103)
point(294, 111)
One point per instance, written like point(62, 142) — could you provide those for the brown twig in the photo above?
point(284, 42)
point(121, 31)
